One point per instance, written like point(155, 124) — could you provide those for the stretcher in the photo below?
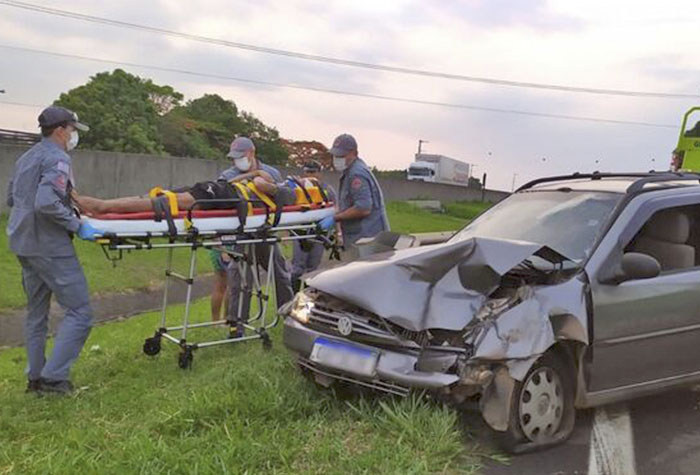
point(224, 230)
point(207, 222)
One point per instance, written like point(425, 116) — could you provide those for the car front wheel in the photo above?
point(542, 406)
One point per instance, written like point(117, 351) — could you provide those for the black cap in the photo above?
point(311, 166)
point(53, 116)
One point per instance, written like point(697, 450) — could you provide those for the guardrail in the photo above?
point(16, 137)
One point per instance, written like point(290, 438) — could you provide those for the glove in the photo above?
point(326, 223)
point(88, 232)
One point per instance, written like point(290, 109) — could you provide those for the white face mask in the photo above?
point(339, 163)
point(243, 163)
point(72, 141)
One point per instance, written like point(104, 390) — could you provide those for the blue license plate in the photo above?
point(345, 357)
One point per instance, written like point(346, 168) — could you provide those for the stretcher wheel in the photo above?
point(151, 346)
point(184, 361)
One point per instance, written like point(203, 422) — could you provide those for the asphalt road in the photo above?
point(653, 435)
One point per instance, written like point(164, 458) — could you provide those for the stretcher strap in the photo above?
point(263, 197)
point(277, 216)
point(162, 210)
point(243, 194)
point(171, 198)
point(324, 195)
point(270, 205)
point(307, 195)
point(243, 205)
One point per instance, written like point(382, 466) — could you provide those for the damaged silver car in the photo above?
point(573, 292)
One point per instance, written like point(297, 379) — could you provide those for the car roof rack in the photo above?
point(635, 187)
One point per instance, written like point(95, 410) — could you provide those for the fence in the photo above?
point(15, 137)
point(111, 174)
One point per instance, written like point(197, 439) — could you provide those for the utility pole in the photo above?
point(512, 188)
point(420, 145)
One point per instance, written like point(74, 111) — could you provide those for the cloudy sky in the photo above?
point(620, 44)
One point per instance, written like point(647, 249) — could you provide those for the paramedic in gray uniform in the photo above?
point(247, 166)
point(361, 210)
point(41, 226)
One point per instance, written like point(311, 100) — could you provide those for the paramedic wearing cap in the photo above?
point(361, 203)
point(243, 168)
point(40, 229)
point(246, 166)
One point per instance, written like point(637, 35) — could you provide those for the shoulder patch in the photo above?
point(356, 183)
point(60, 182)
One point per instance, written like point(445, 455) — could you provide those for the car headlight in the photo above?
point(301, 307)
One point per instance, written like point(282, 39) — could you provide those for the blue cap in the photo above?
point(53, 116)
point(239, 147)
point(343, 144)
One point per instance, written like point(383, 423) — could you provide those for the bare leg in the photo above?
point(267, 187)
point(134, 204)
point(218, 294)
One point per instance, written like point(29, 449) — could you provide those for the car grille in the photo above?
point(376, 384)
point(365, 326)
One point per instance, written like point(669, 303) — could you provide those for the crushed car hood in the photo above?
point(431, 287)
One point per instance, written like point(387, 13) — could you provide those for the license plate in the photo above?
point(345, 357)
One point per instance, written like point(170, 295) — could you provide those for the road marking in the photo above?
point(612, 445)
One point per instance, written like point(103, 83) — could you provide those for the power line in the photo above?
point(341, 61)
point(343, 92)
point(22, 104)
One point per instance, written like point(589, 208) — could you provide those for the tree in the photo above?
point(202, 128)
point(127, 113)
point(123, 111)
point(300, 151)
point(268, 144)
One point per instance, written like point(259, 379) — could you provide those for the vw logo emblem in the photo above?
point(344, 326)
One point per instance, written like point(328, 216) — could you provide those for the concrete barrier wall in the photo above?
point(112, 174)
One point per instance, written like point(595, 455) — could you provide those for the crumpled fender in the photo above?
point(546, 315)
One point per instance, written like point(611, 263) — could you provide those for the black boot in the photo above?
point(32, 386)
point(50, 386)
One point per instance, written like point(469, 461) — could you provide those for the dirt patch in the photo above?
point(107, 307)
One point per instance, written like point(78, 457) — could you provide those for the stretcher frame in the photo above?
point(241, 328)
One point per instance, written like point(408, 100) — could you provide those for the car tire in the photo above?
point(542, 412)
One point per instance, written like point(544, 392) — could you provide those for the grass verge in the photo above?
point(239, 410)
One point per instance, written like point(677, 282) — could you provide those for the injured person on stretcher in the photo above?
point(223, 195)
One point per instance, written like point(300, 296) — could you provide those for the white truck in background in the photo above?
point(439, 169)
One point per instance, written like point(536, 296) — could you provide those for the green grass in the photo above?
point(239, 410)
point(405, 218)
point(466, 210)
point(136, 271)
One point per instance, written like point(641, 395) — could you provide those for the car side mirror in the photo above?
point(634, 266)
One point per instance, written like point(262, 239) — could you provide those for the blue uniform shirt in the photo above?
point(359, 188)
point(231, 173)
point(42, 218)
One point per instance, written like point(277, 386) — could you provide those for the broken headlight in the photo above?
point(301, 307)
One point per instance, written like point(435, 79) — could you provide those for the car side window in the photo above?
point(671, 237)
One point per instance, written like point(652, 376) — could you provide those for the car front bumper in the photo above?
point(395, 371)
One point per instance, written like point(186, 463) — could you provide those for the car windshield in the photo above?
point(567, 221)
point(419, 171)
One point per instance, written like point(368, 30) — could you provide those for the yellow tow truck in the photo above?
point(686, 156)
